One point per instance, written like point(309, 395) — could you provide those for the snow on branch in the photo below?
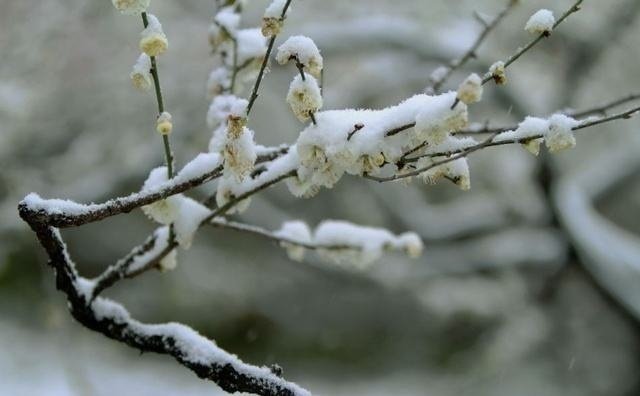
point(420, 136)
point(337, 241)
point(188, 347)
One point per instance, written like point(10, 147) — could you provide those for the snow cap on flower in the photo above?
point(541, 22)
point(131, 7)
point(498, 73)
point(164, 126)
point(304, 97)
point(153, 41)
point(273, 18)
point(470, 91)
point(560, 135)
point(141, 74)
point(296, 231)
point(239, 154)
point(304, 50)
point(218, 81)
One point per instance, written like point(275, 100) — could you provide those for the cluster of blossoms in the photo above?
point(556, 131)
point(345, 243)
point(337, 142)
point(153, 42)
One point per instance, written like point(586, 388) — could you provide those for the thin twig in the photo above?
point(574, 8)
point(252, 229)
point(265, 62)
point(156, 82)
point(471, 52)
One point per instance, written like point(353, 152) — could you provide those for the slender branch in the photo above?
point(461, 154)
point(251, 229)
point(156, 82)
point(601, 109)
point(456, 154)
point(471, 52)
point(234, 72)
point(265, 62)
point(574, 8)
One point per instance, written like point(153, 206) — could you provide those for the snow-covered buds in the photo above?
point(304, 97)
point(541, 23)
point(131, 7)
point(164, 126)
point(273, 18)
point(560, 135)
point(303, 51)
point(498, 73)
point(470, 91)
point(141, 74)
point(153, 41)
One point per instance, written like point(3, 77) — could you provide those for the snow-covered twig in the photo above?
point(192, 350)
point(491, 141)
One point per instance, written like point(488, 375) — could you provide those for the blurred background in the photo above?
point(528, 284)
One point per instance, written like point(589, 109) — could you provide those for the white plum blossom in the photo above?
point(239, 153)
point(470, 91)
point(131, 7)
point(304, 97)
point(141, 77)
point(541, 22)
point(456, 170)
point(297, 231)
point(153, 41)
point(304, 50)
point(560, 134)
point(273, 18)
point(363, 245)
point(164, 125)
point(498, 73)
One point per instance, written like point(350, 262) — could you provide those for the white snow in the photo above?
point(304, 50)
point(369, 242)
point(222, 107)
point(228, 19)
point(141, 73)
point(560, 135)
point(193, 347)
point(297, 231)
point(541, 22)
point(190, 214)
point(251, 45)
point(274, 9)
point(201, 165)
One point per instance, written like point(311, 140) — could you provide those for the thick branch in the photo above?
point(189, 348)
